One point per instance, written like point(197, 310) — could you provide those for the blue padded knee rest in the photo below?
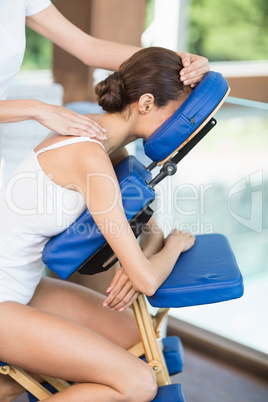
point(64, 253)
point(191, 114)
point(173, 353)
point(169, 393)
point(207, 273)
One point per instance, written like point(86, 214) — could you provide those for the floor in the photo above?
point(204, 380)
point(22, 398)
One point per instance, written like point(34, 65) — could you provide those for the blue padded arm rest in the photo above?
point(207, 273)
point(191, 114)
point(64, 253)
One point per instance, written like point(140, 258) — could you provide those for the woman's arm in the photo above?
point(151, 238)
point(94, 176)
point(51, 24)
point(55, 118)
point(121, 291)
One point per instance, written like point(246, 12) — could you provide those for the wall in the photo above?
point(114, 20)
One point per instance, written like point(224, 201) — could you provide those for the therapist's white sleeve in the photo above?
point(34, 6)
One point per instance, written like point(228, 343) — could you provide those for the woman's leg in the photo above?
point(84, 306)
point(47, 343)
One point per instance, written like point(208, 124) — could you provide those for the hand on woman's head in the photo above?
point(194, 68)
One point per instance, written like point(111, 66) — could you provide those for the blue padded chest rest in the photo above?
point(65, 253)
point(190, 115)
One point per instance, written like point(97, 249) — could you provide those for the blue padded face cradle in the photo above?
point(191, 114)
point(64, 253)
point(207, 273)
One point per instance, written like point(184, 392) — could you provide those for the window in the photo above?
point(222, 186)
point(38, 53)
point(229, 30)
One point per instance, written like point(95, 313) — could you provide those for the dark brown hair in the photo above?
point(152, 70)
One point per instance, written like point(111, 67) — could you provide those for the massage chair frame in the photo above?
point(149, 326)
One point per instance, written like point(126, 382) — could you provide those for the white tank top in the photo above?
point(32, 210)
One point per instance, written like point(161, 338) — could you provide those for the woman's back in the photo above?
point(32, 210)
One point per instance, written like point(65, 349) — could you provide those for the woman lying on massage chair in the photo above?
point(58, 328)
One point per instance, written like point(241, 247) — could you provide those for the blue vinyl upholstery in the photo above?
point(170, 393)
point(64, 253)
point(173, 353)
point(207, 273)
point(196, 108)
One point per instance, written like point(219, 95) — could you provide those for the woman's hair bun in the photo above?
point(111, 94)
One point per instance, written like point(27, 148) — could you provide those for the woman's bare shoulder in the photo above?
point(88, 152)
point(71, 162)
point(90, 157)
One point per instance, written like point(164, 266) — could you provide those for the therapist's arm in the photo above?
point(51, 24)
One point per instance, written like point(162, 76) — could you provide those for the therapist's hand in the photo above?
point(66, 122)
point(121, 292)
point(195, 67)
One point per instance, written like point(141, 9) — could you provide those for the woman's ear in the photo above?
point(146, 103)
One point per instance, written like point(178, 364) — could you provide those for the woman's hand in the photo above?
point(181, 238)
point(122, 294)
point(195, 67)
point(66, 122)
